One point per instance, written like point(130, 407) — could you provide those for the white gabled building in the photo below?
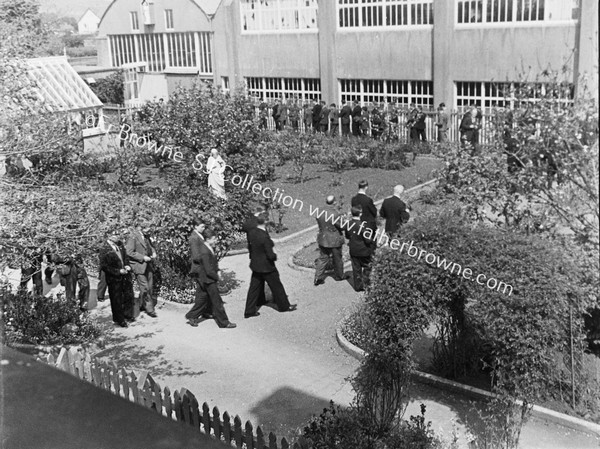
point(88, 23)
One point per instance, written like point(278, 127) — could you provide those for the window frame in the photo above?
point(513, 22)
point(134, 19)
point(419, 92)
point(169, 15)
point(360, 6)
point(272, 88)
point(299, 9)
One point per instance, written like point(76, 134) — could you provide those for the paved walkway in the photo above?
point(277, 370)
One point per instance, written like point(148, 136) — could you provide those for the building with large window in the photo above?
point(158, 44)
point(379, 51)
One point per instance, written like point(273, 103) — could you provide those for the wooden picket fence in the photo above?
point(181, 406)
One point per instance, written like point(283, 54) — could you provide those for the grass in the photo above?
point(307, 255)
point(321, 181)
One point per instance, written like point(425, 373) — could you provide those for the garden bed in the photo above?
point(352, 329)
point(320, 182)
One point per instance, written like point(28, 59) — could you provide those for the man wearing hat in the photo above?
point(330, 240)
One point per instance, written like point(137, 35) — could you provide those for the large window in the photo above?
point(490, 95)
point(274, 88)
point(278, 15)
point(161, 51)
point(380, 92)
point(384, 13)
point(135, 23)
point(499, 11)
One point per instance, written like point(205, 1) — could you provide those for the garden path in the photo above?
point(277, 370)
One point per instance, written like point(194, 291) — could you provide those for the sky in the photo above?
point(73, 8)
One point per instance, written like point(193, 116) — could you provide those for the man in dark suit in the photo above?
point(356, 120)
point(115, 264)
point(142, 255)
point(369, 211)
point(346, 118)
point(394, 211)
point(205, 270)
point(316, 116)
point(262, 264)
point(361, 250)
point(251, 220)
point(330, 241)
point(468, 129)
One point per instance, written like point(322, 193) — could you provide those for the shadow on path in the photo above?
point(286, 411)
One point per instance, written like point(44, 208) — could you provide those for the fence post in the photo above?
point(237, 428)
point(205, 418)
point(249, 436)
point(227, 428)
point(168, 402)
point(216, 423)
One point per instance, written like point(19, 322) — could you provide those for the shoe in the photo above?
point(193, 323)
point(152, 314)
point(250, 315)
point(319, 282)
point(123, 324)
point(291, 308)
point(230, 326)
point(130, 320)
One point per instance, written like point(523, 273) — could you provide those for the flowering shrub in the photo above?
point(35, 319)
point(348, 428)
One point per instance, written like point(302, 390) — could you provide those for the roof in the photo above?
point(208, 6)
point(59, 86)
point(85, 13)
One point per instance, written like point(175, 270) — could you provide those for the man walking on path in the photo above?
point(262, 264)
point(205, 270)
point(369, 211)
point(115, 264)
point(361, 251)
point(442, 123)
point(330, 241)
point(394, 211)
point(142, 255)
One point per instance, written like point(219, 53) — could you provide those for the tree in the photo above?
point(110, 89)
point(543, 173)
point(200, 118)
point(518, 334)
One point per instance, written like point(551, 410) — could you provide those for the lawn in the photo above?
point(307, 255)
point(321, 181)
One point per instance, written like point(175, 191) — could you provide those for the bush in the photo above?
point(347, 428)
point(35, 319)
point(514, 331)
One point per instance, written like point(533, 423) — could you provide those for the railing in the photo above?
point(397, 131)
point(180, 406)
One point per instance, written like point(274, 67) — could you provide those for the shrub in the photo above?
point(347, 428)
point(35, 319)
point(516, 329)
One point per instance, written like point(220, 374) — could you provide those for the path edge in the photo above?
point(546, 414)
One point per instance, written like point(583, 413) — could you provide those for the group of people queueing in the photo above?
point(361, 231)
